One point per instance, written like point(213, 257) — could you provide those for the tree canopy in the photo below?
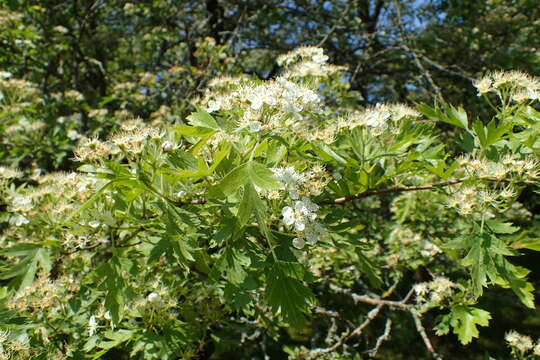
point(269, 179)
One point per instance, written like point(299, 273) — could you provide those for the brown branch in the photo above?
point(373, 301)
point(399, 189)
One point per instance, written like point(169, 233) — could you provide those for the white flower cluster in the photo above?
point(522, 343)
point(523, 86)
point(312, 53)
point(9, 173)
point(130, 140)
point(509, 166)
point(289, 180)
point(21, 203)
point(433, 292)
point(378, 119)
point(301, 214)
point(284, 95)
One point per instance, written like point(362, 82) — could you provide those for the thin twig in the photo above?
point(385, 335)
point(373, 301)
point(399, 189)
point(415, 57)
point(313, 354)
point(422, 332)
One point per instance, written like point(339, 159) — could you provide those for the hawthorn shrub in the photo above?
point(277, 210)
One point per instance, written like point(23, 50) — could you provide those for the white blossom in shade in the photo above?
point(5, 75)
point(536, 350)
point(61, 29)
point(429, 249)
point(94, 224)
point(19, 220)
point(73, 134)
point(298, 242)
point(92, 325)
point(314, 232)
point(521, 342)
point(254, 126)
point(21, 203)
point(154, 298)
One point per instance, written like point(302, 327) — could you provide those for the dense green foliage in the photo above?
point(177, 183)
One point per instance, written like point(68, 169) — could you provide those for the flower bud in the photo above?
point(167, 146)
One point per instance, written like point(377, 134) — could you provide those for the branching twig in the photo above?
point(415, 57)
point(385, 335)
point(373, 301)
point(313, 354)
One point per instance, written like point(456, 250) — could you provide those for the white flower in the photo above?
point(61, 29)
point(256, 102)
point(522, 342)
point(288, 178)
point(288, 215)
point(483, 85)
point(73, 134)
point(19, 220)
point(5, 75)
point(537, 349)
point(298, 242)
point(303, 213)
point(21, 203)
point(254, 126)
point(421, 288)
point(92, 325)
point(154, 299)
point(213, 106)
point(94, 223)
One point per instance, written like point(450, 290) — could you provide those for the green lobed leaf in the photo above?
point(288, 295)
point(202, 119)
point(465, 321)
point(261, 176)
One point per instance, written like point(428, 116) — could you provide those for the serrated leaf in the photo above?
point(233, 181)
point(183, 160)
point(261, 176)
point(203, 119)
point(465, 319)
point(288, 296)
point(195, 131)
point(501, 228)
point(369, 269)
point(486, 258)
point(448, 114)
point(527, 243)
point(480, 133)
point(116, 338)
